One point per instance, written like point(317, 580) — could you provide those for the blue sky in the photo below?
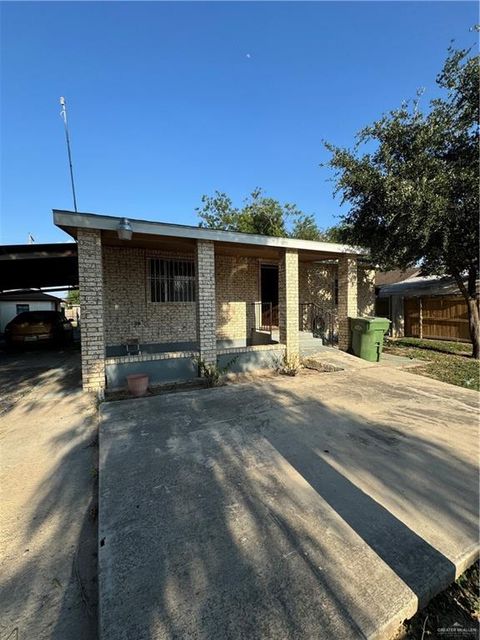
point(168, 101)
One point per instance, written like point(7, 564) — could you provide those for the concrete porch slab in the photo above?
point(322, 506)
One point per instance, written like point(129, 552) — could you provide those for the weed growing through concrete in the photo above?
point(212, 373)
point(290, 365)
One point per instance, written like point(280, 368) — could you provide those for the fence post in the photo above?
point(420, 317)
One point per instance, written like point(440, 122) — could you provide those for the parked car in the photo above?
point(35, 327)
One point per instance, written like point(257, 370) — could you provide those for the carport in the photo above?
point(49, 267)
point(38, 266)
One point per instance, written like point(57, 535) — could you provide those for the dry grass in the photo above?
point(446, 361)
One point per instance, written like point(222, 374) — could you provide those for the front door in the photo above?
point(269, 294)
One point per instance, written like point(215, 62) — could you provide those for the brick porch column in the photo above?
point(288, 309)
point(347, 298)
point(90, 282)
point(206, 312)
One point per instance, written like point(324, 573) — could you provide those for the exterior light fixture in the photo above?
point(124, 229)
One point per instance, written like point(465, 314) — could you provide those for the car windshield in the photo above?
point(37, 316)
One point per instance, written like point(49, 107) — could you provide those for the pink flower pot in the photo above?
point(137, 384)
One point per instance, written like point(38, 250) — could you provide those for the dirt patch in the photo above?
point(454, 613)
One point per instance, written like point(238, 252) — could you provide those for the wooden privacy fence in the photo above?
point(441, 317)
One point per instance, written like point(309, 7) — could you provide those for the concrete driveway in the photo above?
point(323, 506)
point(48, 541)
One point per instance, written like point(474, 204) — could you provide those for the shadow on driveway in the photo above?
point(48, 431)
point(291, 509)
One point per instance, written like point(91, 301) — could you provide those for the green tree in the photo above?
point(73, 297)
point(413, 192)
point(305, 228)
point(259, 214)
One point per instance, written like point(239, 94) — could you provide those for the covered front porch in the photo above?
point(168, 296)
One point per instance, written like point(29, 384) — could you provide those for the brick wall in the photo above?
point(347, 298)
point(91, 303)
point(288, 301)
point(317, 283)
point(366, 291)
point(236, 280)
point(129, 313)
point(206, 312)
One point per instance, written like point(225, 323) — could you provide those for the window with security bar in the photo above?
point(171, 280)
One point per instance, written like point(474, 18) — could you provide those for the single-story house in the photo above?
point(392, 276)
point(156, 297)
point(424, 307)
point(14, 302)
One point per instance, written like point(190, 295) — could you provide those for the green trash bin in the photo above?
point(367, 337)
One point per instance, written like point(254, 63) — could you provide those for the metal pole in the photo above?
point(63, 114)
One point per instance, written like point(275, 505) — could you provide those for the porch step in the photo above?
point(305, 337)
point(308, 344)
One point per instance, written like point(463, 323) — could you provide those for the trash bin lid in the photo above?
point(369, 323)
point(380, 323)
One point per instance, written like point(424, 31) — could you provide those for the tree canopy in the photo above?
point(260, 214)
point(73, 297)
point(412, 183)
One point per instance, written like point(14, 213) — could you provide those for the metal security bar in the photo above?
point(171, 280)
point(321, 321)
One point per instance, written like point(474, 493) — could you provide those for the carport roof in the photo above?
point(27, 294)
point(34, 266)
point(70, 221)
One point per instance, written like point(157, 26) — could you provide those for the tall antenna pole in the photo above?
point(63, 114)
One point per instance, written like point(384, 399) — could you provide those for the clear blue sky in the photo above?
point(168, 101)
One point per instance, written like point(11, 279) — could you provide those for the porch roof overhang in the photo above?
point(149, 233)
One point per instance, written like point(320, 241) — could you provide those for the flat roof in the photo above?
point(28, 295)
point(35, 266)
point(70, 221)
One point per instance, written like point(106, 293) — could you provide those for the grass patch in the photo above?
point(446, 361)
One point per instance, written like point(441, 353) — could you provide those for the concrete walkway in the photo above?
point(323, 506)
point(47, 481)
point(344, 361)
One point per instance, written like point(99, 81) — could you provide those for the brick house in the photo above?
point(153, 296)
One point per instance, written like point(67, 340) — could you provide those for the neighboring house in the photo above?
point(394, 275)
point(154, 296)
point(71, 311)
point(14, 302)
point(424, 307)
